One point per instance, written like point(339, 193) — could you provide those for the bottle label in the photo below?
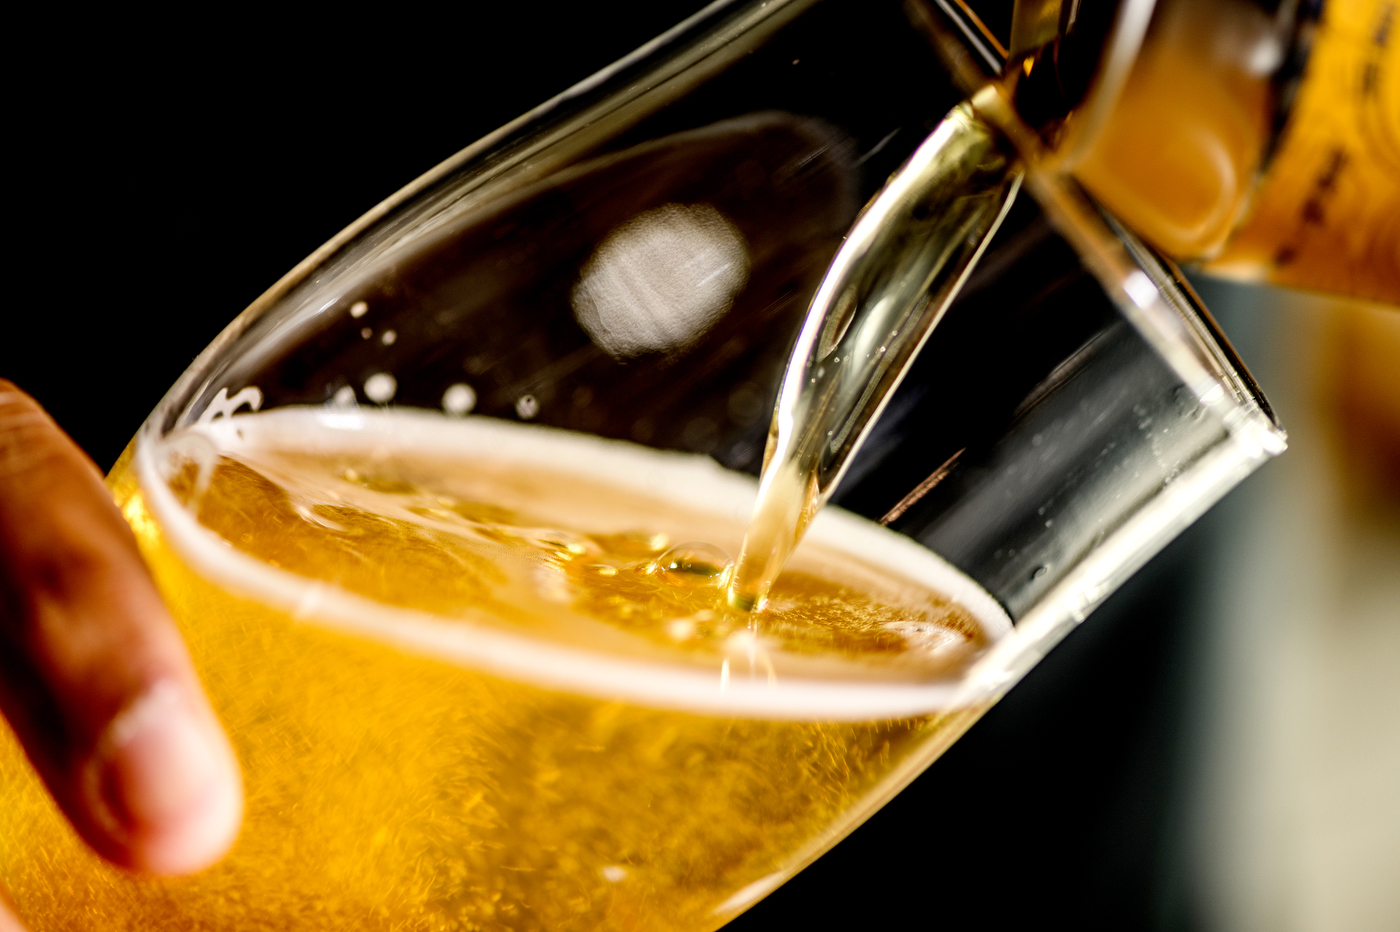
point(1327, 215)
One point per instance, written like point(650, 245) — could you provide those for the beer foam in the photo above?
point(693, 482)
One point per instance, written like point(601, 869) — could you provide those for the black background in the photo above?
point(172, 166)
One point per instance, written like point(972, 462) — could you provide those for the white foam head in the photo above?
point(698, 482)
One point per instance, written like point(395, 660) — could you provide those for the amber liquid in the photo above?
point(403, 647)
point(1180, 160)
point(895, 274)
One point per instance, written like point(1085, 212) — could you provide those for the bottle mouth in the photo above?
point(1059, 57)
point(1066, 64)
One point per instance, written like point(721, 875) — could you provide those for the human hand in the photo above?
point(94, 678)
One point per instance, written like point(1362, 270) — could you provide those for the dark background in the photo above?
point(173, 167)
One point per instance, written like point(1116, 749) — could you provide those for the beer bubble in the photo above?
point(388, 337)
point(694, 564)
point(459, 399)
point(358, 309)
point(527, 406)
point(380, 387)
point(561, 544)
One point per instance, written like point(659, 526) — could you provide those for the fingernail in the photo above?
point(165, 781)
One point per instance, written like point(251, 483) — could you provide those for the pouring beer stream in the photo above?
point(895, 275)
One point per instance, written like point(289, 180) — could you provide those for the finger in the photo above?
point(8, 922)
point(94, 677)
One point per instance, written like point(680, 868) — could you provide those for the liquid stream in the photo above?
point(891, 281)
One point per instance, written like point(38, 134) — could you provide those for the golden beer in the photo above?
point(479, 676)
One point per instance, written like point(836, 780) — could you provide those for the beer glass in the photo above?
point(443, 514)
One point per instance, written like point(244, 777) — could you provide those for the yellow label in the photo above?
point(1327, 215)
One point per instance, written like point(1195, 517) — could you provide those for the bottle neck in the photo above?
point(1174, 125)
point(1260, 138)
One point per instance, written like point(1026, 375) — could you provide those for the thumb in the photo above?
point(94, 677)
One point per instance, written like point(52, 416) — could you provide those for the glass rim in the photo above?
point(1150, 292)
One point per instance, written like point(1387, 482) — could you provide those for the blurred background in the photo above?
point(1217, 748)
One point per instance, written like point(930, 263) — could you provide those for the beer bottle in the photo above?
point(1257, 138)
